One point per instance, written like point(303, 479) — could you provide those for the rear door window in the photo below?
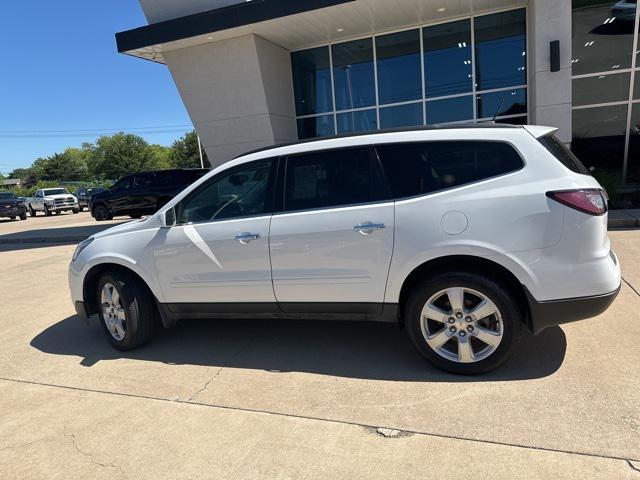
point(563, 154)
point(330, 179)
point(414, 169)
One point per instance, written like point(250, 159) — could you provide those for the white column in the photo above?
point(238, 92)
point(551, 93)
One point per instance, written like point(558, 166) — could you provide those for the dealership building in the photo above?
point(262, 72)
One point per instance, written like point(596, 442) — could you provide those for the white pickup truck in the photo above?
point(52, 200)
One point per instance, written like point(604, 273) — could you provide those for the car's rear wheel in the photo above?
point(100, 213)
point(32, 212)
point(127, 311)
point(464, 323)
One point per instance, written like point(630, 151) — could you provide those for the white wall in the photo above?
point(238, 92)
point(160, 10)
point(551, 93)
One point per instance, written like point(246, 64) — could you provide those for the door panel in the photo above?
point(318, 257)
point(205, 263)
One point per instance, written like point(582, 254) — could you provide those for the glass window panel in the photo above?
point(633, 167)
point(356, 122)
point(241, 192)
point(422, 168)
point(312, 81)
point(602, 35)
point(508, 102)
point(353, 74)
point(599, 137)
point(329, 179)
point(601, 89)
point(447, 59)
point(448, 110)
point(501, 50)
point(313, 127)
point(399, 75)
point(401, 116)
point(513, 120)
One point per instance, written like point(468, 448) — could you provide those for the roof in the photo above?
point(459, 126)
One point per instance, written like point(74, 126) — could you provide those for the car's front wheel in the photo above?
point(100, 213)
point(23, 215)
point(32, 212)
point(127, 311)
point(47, 212)
point(464, 323)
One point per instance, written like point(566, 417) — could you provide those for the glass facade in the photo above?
point(467, 70)
point(606, 100)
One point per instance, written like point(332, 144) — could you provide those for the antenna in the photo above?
point(498, 110)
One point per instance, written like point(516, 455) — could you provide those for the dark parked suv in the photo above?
point(142, 193)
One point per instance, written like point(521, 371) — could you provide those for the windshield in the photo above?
point(6, 195)
point(56, 191)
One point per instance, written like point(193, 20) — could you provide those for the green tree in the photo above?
point(118, 155)
point(161, 155)
point(21, 173)
point(185, 154)
point(70, 165)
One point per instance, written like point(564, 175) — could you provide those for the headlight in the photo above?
point(81, 246)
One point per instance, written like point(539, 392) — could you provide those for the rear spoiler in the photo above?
point(539, 132)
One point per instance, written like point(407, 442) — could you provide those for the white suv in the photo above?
point(463, 235)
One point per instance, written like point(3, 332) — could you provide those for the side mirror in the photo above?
point(169, 218)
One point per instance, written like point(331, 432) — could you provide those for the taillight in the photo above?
point(591, 201)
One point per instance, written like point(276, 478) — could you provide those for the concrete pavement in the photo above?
point(267, 399)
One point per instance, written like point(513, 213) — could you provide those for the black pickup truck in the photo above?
point(12, 207)
point(142, 193)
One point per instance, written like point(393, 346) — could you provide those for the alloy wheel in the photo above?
point(113, 313)
point(462, 325)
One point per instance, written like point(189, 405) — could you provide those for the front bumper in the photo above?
point(558, 312)
point(12, 211)
point(63, 207)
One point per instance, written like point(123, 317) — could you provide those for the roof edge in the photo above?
point(225, 18)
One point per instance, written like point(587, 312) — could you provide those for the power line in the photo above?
point(17, 134)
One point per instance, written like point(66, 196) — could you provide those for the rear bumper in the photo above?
point(558, 312)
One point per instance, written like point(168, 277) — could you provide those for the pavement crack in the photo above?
point(631, 286)
point(225, 364)
point(92, 458)
point(327, 420)
point(632, 466)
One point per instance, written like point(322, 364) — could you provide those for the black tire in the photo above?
point(12, 218)
point(47, 212)
point(506, 302)
point(32, 212)
point(76, 211)
point(23, 215)
point(140, 310)
point(57, 212)
point(100, 213)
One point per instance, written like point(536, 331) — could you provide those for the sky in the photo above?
point(61, 76)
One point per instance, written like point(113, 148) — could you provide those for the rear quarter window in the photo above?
point(414, 169)
point(563, 154)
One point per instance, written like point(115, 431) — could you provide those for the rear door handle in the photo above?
point(245, 238)
point(368, 228)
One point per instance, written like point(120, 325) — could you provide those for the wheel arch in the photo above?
point(470, 264)
point(90, 285)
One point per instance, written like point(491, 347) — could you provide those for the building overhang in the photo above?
point(148, 41)
point(297, 24)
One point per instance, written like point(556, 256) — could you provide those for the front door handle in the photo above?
point(245, 238)
point(368, 228)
